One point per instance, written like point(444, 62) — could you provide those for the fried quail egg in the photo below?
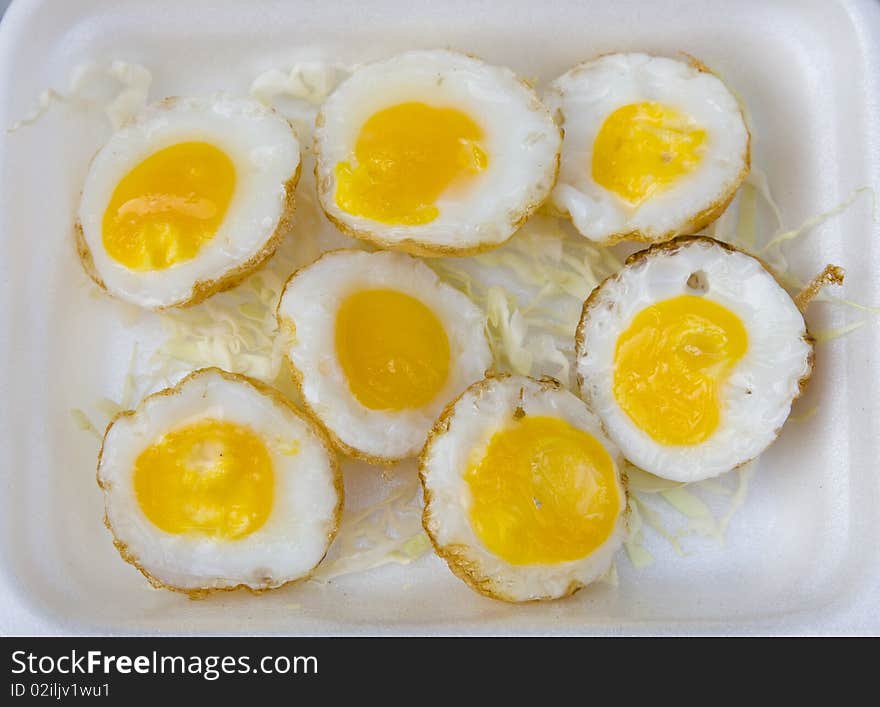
point(378, 346)
point(692, 356)
point(434, 152)
point(653, 147)
point(187, 199)
point(219, 483)
point(524, 496)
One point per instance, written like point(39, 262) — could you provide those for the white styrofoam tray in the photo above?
point(803, 555)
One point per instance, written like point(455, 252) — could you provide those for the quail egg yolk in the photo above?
point(671, 364)
point(392, 348)
point(544, 492)
point(211, 477)
point(643, 148)
point(166, 208)
point(405, 157)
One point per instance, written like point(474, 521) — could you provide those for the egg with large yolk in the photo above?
point(524, 496)
point(654, 147)
point(219, 483)
point(433, 153)
point(691, 356)
point(378, 344)
point(187, 199)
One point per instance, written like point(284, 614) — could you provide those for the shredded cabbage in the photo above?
point(703, 508)
point(389, 531)
point(743, 477)
point(644, 482)
point(610, 577)
point(108, 407)
point(701, 520)
point(746, 227)
point(532, 290)
point(298, 92)
point(824, 297)
point(119, 89)
point(634, 541)
point(814, 221)
point(654, 520)
point(804, 416)
point(825, 335)
point(84, 423)
point(235, 330)
point(310, 81)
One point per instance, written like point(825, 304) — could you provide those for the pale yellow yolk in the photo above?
point(671, 363)
point(166, 208)
point(392, 348)
point(405, 157)
point(544, 492)
point(211, 478)
point(643, 148)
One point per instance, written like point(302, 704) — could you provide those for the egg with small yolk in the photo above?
point(219, 483)
point(654, 147)
point(691, 356)
point(433, 153)
point(524, 495)
point(378, 344)
point(187, 199)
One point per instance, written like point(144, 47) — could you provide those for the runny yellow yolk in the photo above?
point(544, 492)
point(671, 364)
point(392, 348)
point(643, 148)
point(166, 208)
point(210, 478)
point(405, 157)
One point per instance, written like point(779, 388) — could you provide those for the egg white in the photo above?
point(308, 307)
point(756, 398)
point(266, 155)
point(521, 141)
point(307, 499)
point(581, 100)
point(458, 437)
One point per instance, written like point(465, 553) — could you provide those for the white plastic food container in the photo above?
point(801, 556)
